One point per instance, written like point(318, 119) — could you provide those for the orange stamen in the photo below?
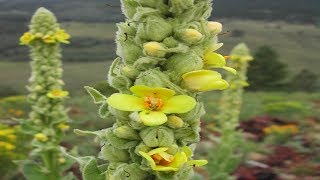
point(227, 57)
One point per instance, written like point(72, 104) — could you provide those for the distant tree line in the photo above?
point(267, 73)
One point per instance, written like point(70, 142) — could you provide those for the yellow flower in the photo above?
point(161, 160)
point(62, 36)
point(12, 137)
point(281, 129)
point(7, 146)
point(49, 39)
point(41, 137)
point(152, 103)
point(57, 93)
point(204, 80)
point(19, 113)
point(26, 38)
point(63, 126)
point(6, 132)
point(215, 60)
point(62, 160)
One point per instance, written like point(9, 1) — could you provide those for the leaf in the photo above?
point(97, 97)
point(33, 172)
point(90, 171)
point(103, 110)
point(88, 166)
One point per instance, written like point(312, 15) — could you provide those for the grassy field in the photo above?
point(76, 75)
point(297, 45)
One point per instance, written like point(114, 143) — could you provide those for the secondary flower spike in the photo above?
point(152, 103)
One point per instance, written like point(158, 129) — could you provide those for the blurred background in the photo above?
point(283, 37)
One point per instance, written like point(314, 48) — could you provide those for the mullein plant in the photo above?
point(165, 59)
point(48, 119)
point(225, 157)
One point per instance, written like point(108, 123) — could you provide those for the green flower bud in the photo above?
point(130, 72)
point(175, 122)
point(129, 8)
point(157, 136)
point(113, 154)
point(154, 29)
point(179, 64)
point(119, 142)
point(126, 132)
point(43, 21)
point(128, 172)
point(127, 49)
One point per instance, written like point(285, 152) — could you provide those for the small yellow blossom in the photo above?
point(26, 38)
point(63, 126)
point(160, 159)
point(12, 137)
point(204, 80)
point(19, 113)
point(41, 137)
point(7, 146)
point(5, 132)
point(62, 36)
point(62, 160)
point(152, 103)
point(49, 39)
point(57, 93)
point(281, 129)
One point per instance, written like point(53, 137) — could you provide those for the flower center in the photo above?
point(153, 103)
point(56, 93)
point(163, 161)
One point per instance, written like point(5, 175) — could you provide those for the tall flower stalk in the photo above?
point(225, 156)
point(47, 121)
point(165, 59)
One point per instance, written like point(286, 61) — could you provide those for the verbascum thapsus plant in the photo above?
point(225, 157)
point(48, 119)
point(165, 55)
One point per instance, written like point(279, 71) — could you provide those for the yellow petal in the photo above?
point(204, 80)
point(229, 69)
point(143, 91)
point(179, 159)
point(187, 151)
point(165, 168)
point(153, 118)
point(197, 163)
point(125, 102)
point(148, 158)
point(214, 60)
point(178, 104)
point(157, 150)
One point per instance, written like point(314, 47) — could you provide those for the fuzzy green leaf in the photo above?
point(96, 95)
point(33, 172)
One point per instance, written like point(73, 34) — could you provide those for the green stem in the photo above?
point(49, 159)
